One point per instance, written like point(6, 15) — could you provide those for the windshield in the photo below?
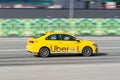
point(78, 37)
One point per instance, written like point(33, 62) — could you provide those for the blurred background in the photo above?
point(76, 26)
point(79, 17)
point(61, 4)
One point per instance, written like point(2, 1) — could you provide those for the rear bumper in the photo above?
point(31, 49)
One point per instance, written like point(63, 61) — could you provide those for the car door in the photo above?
point(68, 44)
point(53, 42)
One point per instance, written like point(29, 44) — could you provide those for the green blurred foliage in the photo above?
point(76, 26)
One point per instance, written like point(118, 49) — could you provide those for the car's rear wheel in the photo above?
point(87, 51)
point(44, 52)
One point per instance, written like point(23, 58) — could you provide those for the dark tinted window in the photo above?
point(68, 37)
point(53, 37)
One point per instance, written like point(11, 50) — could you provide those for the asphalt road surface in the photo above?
point(17, 64)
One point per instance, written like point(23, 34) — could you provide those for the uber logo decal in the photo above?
point(72, 49)
point(59, 49)
point(63, 49)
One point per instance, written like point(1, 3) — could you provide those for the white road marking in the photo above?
point(109, 47)
point(69, 58)
point(107, 38)
point(6, 50)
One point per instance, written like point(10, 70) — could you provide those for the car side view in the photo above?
point(55, 42)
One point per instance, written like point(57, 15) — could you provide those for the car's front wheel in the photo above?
point(44, 52)
point(87, 51)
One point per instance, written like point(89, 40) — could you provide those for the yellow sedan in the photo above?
point(55, 42)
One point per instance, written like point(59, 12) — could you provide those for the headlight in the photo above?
point(95, 45)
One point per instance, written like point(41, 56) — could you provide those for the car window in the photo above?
point(53, 37)
point(68, 37)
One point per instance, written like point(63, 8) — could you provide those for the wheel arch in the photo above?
point(44, 47)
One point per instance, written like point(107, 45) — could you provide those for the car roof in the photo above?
point(49, 33)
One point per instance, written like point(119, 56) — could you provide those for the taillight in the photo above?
point(31, 41)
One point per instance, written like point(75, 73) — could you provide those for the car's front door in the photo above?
point(68, 44)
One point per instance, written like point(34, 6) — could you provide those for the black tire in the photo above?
point(87, 51)
point(44, 52)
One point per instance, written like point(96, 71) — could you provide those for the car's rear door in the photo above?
point(53, 42)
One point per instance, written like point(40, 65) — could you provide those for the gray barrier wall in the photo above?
point(58, 13)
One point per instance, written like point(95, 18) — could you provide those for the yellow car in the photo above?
point(56, 42)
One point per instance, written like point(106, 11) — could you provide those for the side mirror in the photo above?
point(78, 40)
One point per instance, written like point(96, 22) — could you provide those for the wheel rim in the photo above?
point(87, 52)
point(44, 52)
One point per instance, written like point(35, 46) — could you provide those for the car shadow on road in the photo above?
point(100, 54)
point(76, 55)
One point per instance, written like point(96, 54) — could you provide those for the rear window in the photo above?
point(39, 35)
